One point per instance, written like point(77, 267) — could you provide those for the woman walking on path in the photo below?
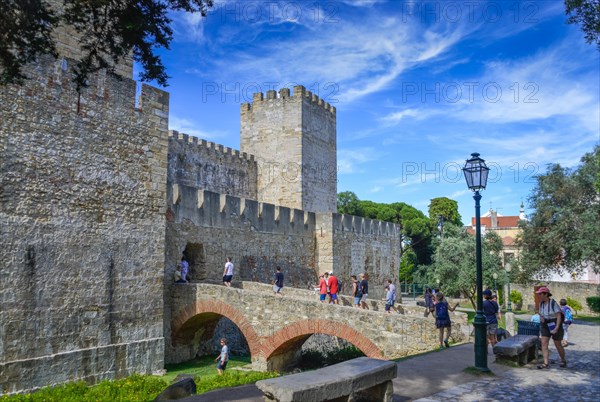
point(442, 318)
point(551, 317)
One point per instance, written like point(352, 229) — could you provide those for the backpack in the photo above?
point(568, 315)
point(441, 311)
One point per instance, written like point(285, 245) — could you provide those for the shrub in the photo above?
point(135, 388)
point(516, 297)
point(574, 304)
point(594, 303)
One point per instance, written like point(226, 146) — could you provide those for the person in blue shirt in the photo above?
point(490, 310)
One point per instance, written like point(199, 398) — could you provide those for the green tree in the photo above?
point(348, 203)
point(454, 263)
point(109, 31)
point(563, 231)
point(446, 208)
point(587, 14)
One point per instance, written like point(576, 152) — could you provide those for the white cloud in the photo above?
point(186, 126)
point(349, 161)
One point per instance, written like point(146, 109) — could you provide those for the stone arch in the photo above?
point(294, 334)
point(193, 315)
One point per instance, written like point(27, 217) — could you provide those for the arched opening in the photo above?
point(283, 350)
point(311, 351)
point(197, 328)
point(194, 253)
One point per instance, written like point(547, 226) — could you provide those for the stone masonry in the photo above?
point(82, 197)
point(98, 202)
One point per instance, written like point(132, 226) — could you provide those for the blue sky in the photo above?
point(418, 87)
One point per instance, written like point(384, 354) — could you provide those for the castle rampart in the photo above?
point(294, 140)
point(82, 201)
point(201, 164)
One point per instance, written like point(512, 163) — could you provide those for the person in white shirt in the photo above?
point(228, 272)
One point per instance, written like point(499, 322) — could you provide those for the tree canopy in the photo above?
point(454, 262)
point(109, 30)
point(416, 228)
point(586, 13)
point(563, 231)
point(446, 208)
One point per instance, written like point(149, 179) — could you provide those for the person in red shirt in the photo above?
point(333, 288)
point(322, 289)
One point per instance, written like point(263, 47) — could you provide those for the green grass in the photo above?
point(141, 388)
point(203, 366)
point(135, 388)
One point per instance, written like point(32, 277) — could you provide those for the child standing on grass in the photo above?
point(442, 318)
point(223, 358)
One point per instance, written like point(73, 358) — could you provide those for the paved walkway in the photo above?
point(440, 376)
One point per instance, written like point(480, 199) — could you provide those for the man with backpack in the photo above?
point(551, 318)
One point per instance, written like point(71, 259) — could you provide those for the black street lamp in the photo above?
point(476, 174)
point(495, 276)
point(441, 226)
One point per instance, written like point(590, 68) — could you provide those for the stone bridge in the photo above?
point(275, 327)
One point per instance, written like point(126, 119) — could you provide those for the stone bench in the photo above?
point(520, 349)
point(363, 379)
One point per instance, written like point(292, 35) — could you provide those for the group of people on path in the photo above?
point(182, 272)
point(329, 287)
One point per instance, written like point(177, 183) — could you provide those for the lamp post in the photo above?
point(507, 268)
point(495, 276)
point(441, 226)
point(476, 174)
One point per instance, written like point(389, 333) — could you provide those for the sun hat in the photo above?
point(544, 289)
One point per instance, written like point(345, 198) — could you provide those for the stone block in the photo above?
point(362, 377)
point(178, 390)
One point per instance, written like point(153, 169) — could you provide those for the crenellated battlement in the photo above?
point(284, 94)
point(208, 209)
point(366, 226)
point(201, 144)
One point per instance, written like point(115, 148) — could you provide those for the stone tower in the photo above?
point(293, 138)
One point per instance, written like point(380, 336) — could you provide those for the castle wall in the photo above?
point(364, 245)
point(197, 163)
point(82, 202)
point(209, 227)
point(293, 138)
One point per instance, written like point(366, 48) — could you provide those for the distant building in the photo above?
point(507, 227)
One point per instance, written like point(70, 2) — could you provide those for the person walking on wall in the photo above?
point(551, 318)
point(568, 320)
point(278, 281)
point(490, 310)
point(223, 358)
point(363, 289)
point(442, 318)
point(355, 291)
point(228, 272)
point(322, 289)
point(185, 269)
point(334, 286)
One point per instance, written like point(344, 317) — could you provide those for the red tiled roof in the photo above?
point(503, 221)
